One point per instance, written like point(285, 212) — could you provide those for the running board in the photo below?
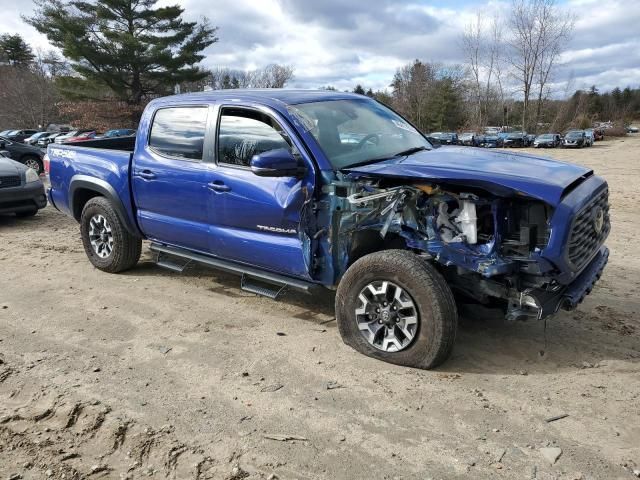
point(165, 261)
point(272, 293)
point(280, 282)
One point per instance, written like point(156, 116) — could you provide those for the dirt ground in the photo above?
point(152, 373)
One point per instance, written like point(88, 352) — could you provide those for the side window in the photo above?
point(245, 133)
point(179, 132)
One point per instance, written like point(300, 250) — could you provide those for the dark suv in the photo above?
point(26, 154)
point(21, 190)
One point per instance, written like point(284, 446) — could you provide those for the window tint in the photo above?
point(179, 132)
point(245, 133)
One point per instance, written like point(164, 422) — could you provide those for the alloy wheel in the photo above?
point(387, 316)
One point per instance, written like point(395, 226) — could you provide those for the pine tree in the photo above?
point(133, 47)
point(15, 51)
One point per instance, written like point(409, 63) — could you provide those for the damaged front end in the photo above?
point(488, 247)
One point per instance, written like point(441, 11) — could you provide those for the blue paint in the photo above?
point(303, 226)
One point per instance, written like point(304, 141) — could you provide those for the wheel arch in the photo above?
point(83, 188)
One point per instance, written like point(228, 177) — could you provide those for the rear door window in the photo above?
point(179, 132)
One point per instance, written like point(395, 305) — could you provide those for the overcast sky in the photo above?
point(345, 42)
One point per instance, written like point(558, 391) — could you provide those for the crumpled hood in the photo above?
point(501, 173)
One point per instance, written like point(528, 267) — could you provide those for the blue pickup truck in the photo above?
point(306, 189)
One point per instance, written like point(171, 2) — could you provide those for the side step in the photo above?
point(279, 282)
point(272, 293)
point(166, 261)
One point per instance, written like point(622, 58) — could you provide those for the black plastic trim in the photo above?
point(106, 190)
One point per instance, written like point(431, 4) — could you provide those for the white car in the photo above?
point(63, 137)
point(589, 139)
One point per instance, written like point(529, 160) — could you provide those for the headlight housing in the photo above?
point(31, 176)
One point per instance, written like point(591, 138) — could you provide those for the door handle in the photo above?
point(147, 174)
point(219, 186)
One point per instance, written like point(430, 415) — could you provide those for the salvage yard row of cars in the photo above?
point(495, 138)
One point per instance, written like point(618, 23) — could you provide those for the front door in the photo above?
point(255, 219)
point(170, 179)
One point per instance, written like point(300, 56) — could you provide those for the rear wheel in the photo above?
point(107, 243)
point(396, 307)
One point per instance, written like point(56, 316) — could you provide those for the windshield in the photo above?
point(354, 132)
point(546, 136)
point(515, 135)
point(574, 134)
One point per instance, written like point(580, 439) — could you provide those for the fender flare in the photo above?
point(103, 188)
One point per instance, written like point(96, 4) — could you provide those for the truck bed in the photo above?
point(119, 143)
point(97, 163)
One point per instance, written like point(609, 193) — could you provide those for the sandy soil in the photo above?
point(158, 374)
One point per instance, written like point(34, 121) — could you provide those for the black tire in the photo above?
point(27, 213)
point(437, 314)
point(126, 247)
point(32, 159)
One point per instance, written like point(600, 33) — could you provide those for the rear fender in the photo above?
point(84, 183)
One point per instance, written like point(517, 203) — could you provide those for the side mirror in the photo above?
point(276, 163)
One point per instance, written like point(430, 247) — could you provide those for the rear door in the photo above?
point(257, 220)
point(170, 177)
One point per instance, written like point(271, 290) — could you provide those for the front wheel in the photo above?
point(33, 162)
point(107, 243)
point(396, 307)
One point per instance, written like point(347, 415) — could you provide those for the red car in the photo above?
point(81, 137)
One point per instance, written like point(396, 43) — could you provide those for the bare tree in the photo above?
point(538, 34)
point(27, 95)
point(483, 49)
point(271, 76)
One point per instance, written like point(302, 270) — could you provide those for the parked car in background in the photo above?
point(491, 141)
point(392, 225)
point(20, 135)
point(119, 132)
point(44, 141)
point(33, 139)
point(469, 139)
point(632, 129)
point(25, 154)
point(547, 140)
point(5, 133)
point(516, 139)
point(433, 141)
point(21, 190)
point(81, 137)
point(589, 138)
point(73, 133)
point(574, 139)
point(598, 134)
point(446, 138)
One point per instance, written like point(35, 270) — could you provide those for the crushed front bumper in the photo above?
point(538, 303)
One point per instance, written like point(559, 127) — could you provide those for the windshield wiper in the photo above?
point(410, 151)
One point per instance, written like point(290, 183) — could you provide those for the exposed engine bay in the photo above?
point(487, 247)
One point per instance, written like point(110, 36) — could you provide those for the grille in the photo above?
point(13, 181)
point(585, 238)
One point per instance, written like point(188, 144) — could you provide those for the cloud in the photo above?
point(342, 43)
